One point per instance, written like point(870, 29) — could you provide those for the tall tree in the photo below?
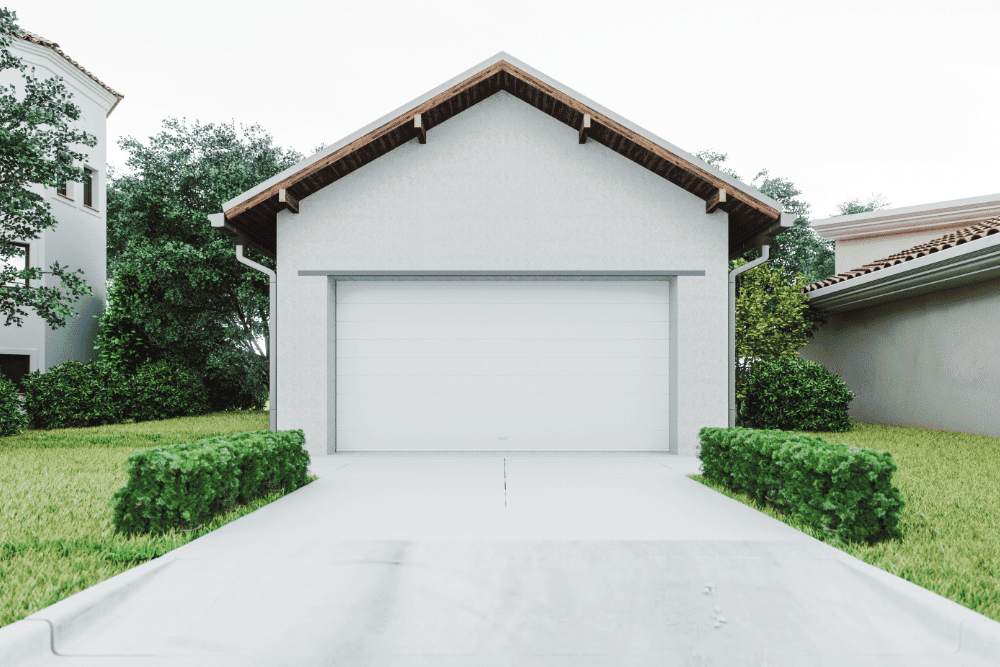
point(37, 144)
point(188, 299)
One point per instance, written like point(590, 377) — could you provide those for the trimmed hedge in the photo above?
point(186, 484)
point(795, 394)
point(845, 490)
point(12, 417)
point(75, 394)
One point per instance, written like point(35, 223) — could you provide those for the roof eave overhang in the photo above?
point(253, 213)
point(910, 219)
point(966, 264)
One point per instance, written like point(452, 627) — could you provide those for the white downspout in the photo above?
point(272, 337)
point(764, 254)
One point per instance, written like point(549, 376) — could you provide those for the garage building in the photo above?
point(501, 264)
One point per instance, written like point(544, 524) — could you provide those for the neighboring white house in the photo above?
point(914, 314)
point(79, 240)
point(501, 264)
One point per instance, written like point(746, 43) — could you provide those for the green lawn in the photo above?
point(56, 535)
point(951, 543)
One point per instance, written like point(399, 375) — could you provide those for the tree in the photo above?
point(857, 205)
point(186, 297)
point(36, 152)
point(772, 319)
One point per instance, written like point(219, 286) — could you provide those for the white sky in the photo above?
point(844, 98)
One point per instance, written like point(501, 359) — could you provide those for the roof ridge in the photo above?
point(48, 43)
point(949, 240)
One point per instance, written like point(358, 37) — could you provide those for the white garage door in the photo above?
point(502, 365)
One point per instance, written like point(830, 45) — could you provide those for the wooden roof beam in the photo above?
point(418, 125)
point(286, 200)
point(713, 202)
point(584, 128)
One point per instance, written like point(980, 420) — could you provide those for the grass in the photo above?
point(951, 541)
point(56, 534)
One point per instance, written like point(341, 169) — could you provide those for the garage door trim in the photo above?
point(333, 277)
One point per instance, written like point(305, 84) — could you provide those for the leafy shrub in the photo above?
point(795, 394)
point(13, 420)
point(123, 343)
point(169, 487)
point(75, 394)
point(163, 390)
point(845, 490)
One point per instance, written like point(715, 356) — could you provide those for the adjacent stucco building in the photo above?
point(501, 264)
point(914, 314)
point(79, 240)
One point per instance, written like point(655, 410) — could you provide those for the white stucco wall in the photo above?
point(79, 241)
point(503, 187)
point(931, 361)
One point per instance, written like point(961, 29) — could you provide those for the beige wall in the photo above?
point(855, 253)
point(931, 361)
point(501, 186)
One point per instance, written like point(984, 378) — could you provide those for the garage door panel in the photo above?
point(406, 422)
point(501, 291)
point(492, 330)
point(516, 441)
point(497, 312)
point(496, 349)
point(496, 384)
point(501, 403)
point(450, 365)
point(504, 366)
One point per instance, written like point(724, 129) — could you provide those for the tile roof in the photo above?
point(977, 231)
point(48, 43)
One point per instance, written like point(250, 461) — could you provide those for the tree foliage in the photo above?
point(858, 205)
point(178, 292)
point(37, 143)
point(772, 319)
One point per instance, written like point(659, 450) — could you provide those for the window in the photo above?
point(62, 189)
point(88, 187)
point(19, 262)
point(15, 367)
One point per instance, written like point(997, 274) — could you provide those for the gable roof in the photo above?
point(252, 215)
point(48, 43)
point(956, 238)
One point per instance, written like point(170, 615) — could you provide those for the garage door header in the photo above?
point(500, 274)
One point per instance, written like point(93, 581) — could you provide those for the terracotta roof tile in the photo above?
point(48, 43)
point(956, 238)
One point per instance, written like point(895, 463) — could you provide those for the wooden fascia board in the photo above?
point(655, 149)
point(374, 135)
point(498, 67)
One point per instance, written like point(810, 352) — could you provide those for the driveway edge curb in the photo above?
point(22, 640)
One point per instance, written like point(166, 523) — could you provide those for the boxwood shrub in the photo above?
point(162, 390)
point(845, 490)
point(13, 420)
point(186, 484)
point(75, 394)
point(795, 394)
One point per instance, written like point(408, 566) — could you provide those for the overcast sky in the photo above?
point(846, 99)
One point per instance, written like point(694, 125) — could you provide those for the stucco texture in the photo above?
point(500, 187)
point(931, 361)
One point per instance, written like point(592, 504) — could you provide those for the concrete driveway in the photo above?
point(492, 559)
